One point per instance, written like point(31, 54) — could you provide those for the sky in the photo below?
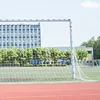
point(85, 16)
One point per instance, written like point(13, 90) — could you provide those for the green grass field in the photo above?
point(92, 72)
point(44, 74)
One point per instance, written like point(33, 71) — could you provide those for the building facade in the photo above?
point(20, 35)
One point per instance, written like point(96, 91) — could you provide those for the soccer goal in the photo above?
point(21, 62)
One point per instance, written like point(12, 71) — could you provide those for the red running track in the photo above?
point(70, 91)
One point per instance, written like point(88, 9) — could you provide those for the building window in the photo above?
point(11, 26)
point(39, 33)
point(23, 36)
point(27, 44)
point(15, 30)
point(3, 30)
point(7, 30)
point(39, 44)
point(19, 26)
point(19, 30)
point(15, 26)
point(31, 26)
point(31, 30)
point(11, 30)
point(35, 44)
point(31, 36)
point(27, 26)
point(23, 44)
point(3, 26)
point(39, 30)
point(35, 30)
point(27, 36)
point(0, 31)
point(12, 44)
point(19, 36)
point(4, 37)
point(12, 37)
point(39, 40)
point(23, 39)
point(7, 26)
point(8, 36)
point(8, 44)
point(23, 30)
point(31, 44)
point(23, 26)
point(27, 30)
point(35, 36)
point(4, 44)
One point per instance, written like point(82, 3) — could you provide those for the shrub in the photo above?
point(63, 64)
point(50, 65)
point(28, 65)
point(16, 64)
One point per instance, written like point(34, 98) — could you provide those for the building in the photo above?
point(20, 35)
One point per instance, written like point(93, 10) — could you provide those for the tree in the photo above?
point(90, 43)
point(41, 54)
point(4, 56)
point(68, 55)
point(0, 55)
point(96, 46)
point(97, 49)
point(54, 54)
point(11, 55)
point(37, 55)
point(81, 54)
point(84, 44)
point(29, 54)
point(46, 55)
point(22, 55)
point(62, 54)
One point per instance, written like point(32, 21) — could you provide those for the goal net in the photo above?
point(21, 62)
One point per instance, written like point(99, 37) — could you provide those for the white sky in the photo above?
point(85, 15)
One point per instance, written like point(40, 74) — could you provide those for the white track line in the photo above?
point(51, 96)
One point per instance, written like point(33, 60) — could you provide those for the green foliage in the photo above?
point(22, 56)
point(68, 55)
point(89, 43)
point(4, 55)
point(28, 54)
point(97, 49)
point(11, 55)
point(55, 54)
point(46, 54)
point(81, 54)
point(96, 46)
point(62, 54)
point(45, 57)
point(28, 65)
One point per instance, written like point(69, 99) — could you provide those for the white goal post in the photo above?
point(53, 20)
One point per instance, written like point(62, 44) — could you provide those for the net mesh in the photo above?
point(40, 74)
